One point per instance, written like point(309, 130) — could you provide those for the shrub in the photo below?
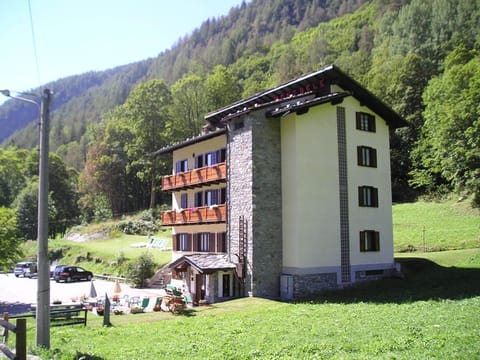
point(142, 269)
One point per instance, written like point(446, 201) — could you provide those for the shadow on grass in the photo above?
point(424, 280)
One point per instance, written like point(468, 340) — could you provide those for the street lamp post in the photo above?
point(43, 282)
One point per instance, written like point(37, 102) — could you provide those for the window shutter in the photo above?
point(184, 200)
point(375, 197)
point(175, 242)
point(361, 198)
point(372, 123)
point(199, 198)
point(189, 242)
point(377, 241)
point(211, 242)
point(373, 157)
point(359, 156)
point(358, 118)
point(362, 241)
point(195, 242)
point(223, 199)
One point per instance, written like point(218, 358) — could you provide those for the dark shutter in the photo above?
point(371, 123)
point(211, 242)
point(223, 199)
point(199, 198)
point(358, 118)
point(361, 198)
point(376, 241)
point(176, 242)
point(359, 155)
point(373, 157)
point(195, 241)
point(374, 197)
point(362, 241)
point(189, 242)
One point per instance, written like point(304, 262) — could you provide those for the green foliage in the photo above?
point(12, 170)
point(394, 48)
point(141, 270)
point(220, 88)
point(144, 224)
point(10, 241)
point(449, 149)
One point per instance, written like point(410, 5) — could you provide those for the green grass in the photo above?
point(107, 254)
point(435, 226)
point(434, 312)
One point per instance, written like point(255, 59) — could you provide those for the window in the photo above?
point(367, 196)
point(211, 197)
point(366, 156)
point(199, 161)
point(222, 242)
point(226, 285)
point(204, 242)
point(369, 240)
point(365, 122)
point(223, 197)
point(183, 242)
point(181, 166)
point(199, 199)
point(215, 157)
point(184, 201)
point(211, 158)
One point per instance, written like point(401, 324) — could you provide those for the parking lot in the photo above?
point(17, 294)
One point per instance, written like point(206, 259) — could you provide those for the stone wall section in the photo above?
point(254, 192)
point(267, 206)
point(305, 286)
point(240, 193)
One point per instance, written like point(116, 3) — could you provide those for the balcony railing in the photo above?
point(199, 215)
point(196, 177)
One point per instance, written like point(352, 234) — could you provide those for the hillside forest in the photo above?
point(421, 57)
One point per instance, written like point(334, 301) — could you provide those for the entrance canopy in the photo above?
point(203, 263)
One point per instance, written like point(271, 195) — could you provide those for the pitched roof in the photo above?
point(314, 84)
point(192, 140)
point(204, 263)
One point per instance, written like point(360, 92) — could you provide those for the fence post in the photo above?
point(21, 340)
point(5, 330)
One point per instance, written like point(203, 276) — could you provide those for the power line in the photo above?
point(34, 44)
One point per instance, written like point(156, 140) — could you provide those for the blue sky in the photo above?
point(76, 36)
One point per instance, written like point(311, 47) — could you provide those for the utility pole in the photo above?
point(43, 283)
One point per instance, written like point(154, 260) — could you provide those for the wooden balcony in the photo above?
point(199, 215)
point(196, 177)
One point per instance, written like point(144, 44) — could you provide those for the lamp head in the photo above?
point(5, 92)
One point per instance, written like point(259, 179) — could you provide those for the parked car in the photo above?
point(23, 267)
point(68, 273)
point(53, 268)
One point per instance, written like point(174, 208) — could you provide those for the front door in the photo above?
point(198, 288)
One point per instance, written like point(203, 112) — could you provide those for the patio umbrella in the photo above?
point(93, 292)
point(117, 289)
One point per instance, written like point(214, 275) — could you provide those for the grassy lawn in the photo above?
point(436, 226)
point(434, 312)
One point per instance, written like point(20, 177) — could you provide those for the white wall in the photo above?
point(366, 218)
point(310, 189)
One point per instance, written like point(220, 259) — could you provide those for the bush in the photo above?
point(142, 270)
point(143, 225)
